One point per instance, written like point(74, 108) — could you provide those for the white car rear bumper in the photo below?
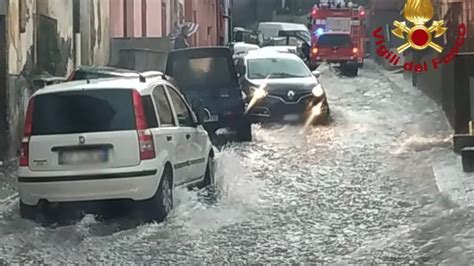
point(134, 185)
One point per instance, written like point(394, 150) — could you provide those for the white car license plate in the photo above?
point(213, 118)
point(83, 157)
point(291, 118)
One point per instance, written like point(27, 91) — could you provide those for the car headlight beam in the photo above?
point(260, 93)
point(252, 90)
point(318, 91)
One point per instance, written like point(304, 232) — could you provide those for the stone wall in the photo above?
point(40, 39)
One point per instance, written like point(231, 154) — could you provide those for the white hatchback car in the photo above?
point(126, 139)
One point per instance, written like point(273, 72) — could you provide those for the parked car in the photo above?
point(281, 88)
point(208, 74)
point(96, 72)
point(111, 139)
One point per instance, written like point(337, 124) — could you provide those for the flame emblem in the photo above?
point(419, 37)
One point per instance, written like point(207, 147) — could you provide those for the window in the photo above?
point(185, 117)
point(162, 104)
point(125, 18)
point(144, 18)
point(23, 15)
point(202, 72)
point(149, 112)
point(83, 111)
point(181, 13)
point(335, 40)
point(164, 19)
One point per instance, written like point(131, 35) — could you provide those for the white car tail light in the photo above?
point(145, 137)
point(25, 142)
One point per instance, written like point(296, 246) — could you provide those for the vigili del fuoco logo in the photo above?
point(418, 36)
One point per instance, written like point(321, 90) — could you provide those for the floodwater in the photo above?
point(361, 190)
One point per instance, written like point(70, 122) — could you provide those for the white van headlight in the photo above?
point(318, 91)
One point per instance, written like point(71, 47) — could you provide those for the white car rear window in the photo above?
point(83, 111)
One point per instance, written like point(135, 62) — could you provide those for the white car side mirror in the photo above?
point(316, 73)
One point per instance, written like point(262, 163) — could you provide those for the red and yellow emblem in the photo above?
point(419, 37)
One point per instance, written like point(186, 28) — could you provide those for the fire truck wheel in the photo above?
point(354, 71)
point(350, 70)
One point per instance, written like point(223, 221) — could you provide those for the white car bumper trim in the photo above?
point(86, 177)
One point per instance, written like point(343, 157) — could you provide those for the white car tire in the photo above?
point(160, 205)
point(209, 176)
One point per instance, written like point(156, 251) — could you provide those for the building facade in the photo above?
point(455, 13)
point(208, 15)
point(450, 85)
point(145, 18)
point(44, 37)
point(158, 18)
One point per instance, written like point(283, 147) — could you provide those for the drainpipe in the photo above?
point(77, 49)
point(227, 23)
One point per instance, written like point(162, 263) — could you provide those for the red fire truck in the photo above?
point(337, 24)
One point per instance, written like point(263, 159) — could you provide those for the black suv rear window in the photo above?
point(83, 111)
point(202, 72)
point(335, 40)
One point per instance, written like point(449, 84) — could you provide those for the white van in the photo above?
point(271, 29)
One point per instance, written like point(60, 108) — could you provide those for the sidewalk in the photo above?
point(446, 164)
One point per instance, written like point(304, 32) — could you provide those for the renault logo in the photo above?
point(291, 95)
point(82, 140)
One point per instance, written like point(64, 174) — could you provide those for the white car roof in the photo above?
point(241, 47)
point(285, 25)
point(94, 84)
point(259, 54)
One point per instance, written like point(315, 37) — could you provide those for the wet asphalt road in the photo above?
point(360, 190)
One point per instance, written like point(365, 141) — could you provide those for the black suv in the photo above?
point(208, 75)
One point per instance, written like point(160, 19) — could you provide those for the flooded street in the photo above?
point(361, 190)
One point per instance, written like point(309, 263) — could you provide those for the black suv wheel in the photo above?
point(244, 131)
